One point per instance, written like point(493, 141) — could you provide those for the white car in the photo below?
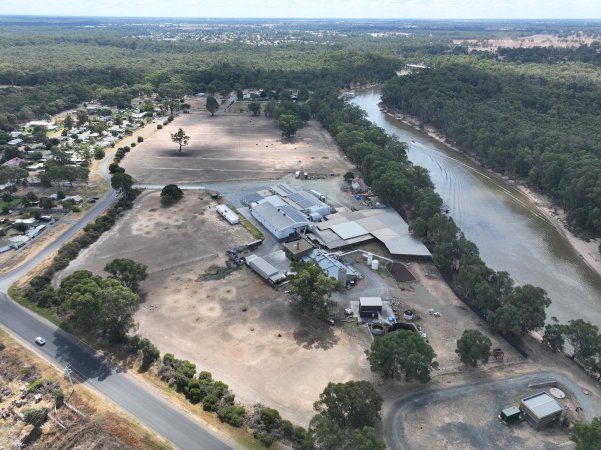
point(40, 340)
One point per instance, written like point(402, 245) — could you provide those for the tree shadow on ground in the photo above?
point(315, 336)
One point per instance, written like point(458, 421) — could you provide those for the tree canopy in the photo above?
point(170, 194)
point(127, 272)
point(312, 286)
point(180, 138)
point(212, 105)
point(587, 436)
point(402, 353)
point(472, 347)
point(289, 124)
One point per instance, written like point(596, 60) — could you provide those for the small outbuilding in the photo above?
point(264, 269)
point(296, 250)
point(510, 415)
point(540, 409)
point(370, 307)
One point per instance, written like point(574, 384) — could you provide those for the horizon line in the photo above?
point(455, 19)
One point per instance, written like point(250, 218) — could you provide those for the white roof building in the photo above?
point(280, 220)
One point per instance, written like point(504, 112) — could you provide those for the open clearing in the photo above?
point(228, 147)
point(466, 417)
point(239, 328)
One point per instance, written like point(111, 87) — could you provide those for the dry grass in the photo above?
point(106, 427)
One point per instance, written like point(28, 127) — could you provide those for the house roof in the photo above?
point(13, 162)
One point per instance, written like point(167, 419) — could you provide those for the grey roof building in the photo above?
point(280, 220)
point(540, 409)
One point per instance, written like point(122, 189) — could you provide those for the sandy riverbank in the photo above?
point(588, 251)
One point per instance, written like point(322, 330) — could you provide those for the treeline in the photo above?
point(590, 54)
point(65, 88)
point(523, 123)
point(512, 311)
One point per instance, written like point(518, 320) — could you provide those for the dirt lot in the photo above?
point(239, 328)
point(228, 147)
point(465, 417)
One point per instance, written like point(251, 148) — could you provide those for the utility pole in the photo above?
point(68, 371)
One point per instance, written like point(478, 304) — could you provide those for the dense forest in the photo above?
point(539, 122)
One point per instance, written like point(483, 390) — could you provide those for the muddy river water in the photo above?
point(510, 232)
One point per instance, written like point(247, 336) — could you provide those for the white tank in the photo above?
point(375, 264)
point(369, 259)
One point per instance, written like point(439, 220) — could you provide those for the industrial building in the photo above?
point(228, 214)
point(280, 219)
point(346, 228)
point(370, 307)
point(540, 409)
point(332, 267)
point(264, 269)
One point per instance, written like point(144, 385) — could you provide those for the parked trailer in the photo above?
point(318, 195)
point(264, 269)
point(228, 214)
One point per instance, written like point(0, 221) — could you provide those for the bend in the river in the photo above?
point(511, 233)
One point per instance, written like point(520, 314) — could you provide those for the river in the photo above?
point(507, 227)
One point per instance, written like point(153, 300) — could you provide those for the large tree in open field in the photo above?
point(289, 124)
point(212, 105)
point(472, 347)
point(180, 138)
point(171, 194)
point(402, 353)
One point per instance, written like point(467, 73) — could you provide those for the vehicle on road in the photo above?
point(40, 340)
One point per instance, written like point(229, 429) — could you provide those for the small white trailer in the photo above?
point(228, 214)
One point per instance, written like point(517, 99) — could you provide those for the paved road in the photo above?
point(91, 368)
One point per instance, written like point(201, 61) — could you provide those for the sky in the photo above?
point(391, 9)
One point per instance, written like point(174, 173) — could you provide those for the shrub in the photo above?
point(264, 438)
point(59, 397)
point(115, 168)
point(99, 154)
point(233, 415)
point(34, 386)
point(140, 139)
point(133, 144)
point(270, 418)
point(210, 403)
point(159, 126)
point(35, 416)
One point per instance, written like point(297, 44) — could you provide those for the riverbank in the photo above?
point(587, 251)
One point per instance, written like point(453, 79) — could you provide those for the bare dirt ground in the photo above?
point(465, 417)
point(536, 40)
point(228, 147)
point(239, 328)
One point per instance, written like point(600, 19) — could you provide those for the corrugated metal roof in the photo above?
point(370, 301)
point(542, 405)
point(280, 219)
point(348, 230)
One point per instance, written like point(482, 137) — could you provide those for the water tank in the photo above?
point(375, 264)
point(369, 259)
